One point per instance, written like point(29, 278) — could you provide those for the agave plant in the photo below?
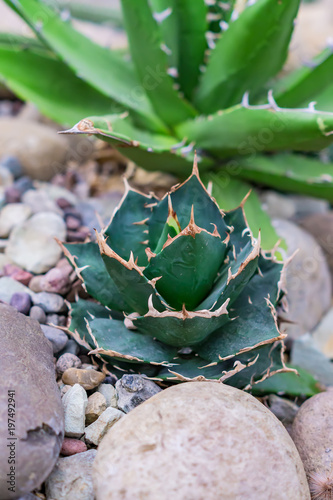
point(197, 77)
point(183, 291)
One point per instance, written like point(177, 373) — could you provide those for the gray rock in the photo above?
point(21, 302)
point(132, 390)
point(29, 496)
point(13, 165)
point(321, 228)
point(96, 431)
point(67, 360)
point(307, 205)
point(71, 478)
point(57, 337)
point(38, 314)
point(27, 368)
point(55, 319)
point(11, 216)
point(38, 148)
point(277, 205)
point(305, 354)
point(284, 409)
point(32, 245)
point(109, 392)
point(308, 280)
point(71, 347)
point(75, 402)
point(9, 286)
point(196, 441)
point(39, 201)
point(323, 334)
point(49, 302)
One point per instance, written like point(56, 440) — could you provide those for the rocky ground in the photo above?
point(54, 187)
point(65, 408)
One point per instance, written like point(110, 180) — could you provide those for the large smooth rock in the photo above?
point(27, 368)
point(312, 432)
point(308, 280)
point(40, 150)
point(12, 215)
point(321, 228)
point(199, 441)
point(32, 245)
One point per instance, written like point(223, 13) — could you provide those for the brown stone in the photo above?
point(89, 379)
point(27, 368)
point(95, 407)
point(199, 441)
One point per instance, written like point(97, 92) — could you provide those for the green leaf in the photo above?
point(114, 340)
point(86, 258)
point(304, 84)
point(250, 51)
point(83, 310)
point(187, 267)
point(184, 33)
point(229, 193)
point(92, 13)
point(146, 149)
point(151, 62)
point(191, 192)
point(100, 67)
point(290, 383)
point(295, 173)
point(325, 99)
point(50, 84)
point(233, 278)
point(241, 371)
point(126, 232)
point(181, 328)
point(124, 273)
point(249, 130)
point(254, 320)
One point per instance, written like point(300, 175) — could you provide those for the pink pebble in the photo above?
point(72, 446)
point(17, 274)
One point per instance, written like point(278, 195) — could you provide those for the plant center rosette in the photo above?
point(181, 291)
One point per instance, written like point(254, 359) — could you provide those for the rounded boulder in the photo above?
point(199, 441)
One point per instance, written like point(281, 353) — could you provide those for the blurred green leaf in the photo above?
point(150, 59)
point(248, 53)
point(93, 13)
point(51, 85)
point(102, 68)
point(286, 172)
point(249, 130)
point(229, 193)
point(289, 383)
point(183, 26)
point(304, 84)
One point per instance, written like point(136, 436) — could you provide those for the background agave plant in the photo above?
point(197, 76)
point(184, 291)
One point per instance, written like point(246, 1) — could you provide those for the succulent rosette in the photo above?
point(183, 291)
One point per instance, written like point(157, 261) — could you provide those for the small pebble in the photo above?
point(72, 223)
point(95, 407)
point(75, 402)
point(66, 361)
point(13, 165)
point(38, 314)
point(35, 283)
point(79, 235)
point(56, 280)
point(88, 379)
point(133, 390)
point(72, 446)
point(95, 432)
point(21, 302)
point(109, 393)
point(50, 302)
point(71, 347)
point(63, 203)
point(17, 274)
point(57, 337)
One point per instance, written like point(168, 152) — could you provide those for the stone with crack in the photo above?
point(31, 413)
